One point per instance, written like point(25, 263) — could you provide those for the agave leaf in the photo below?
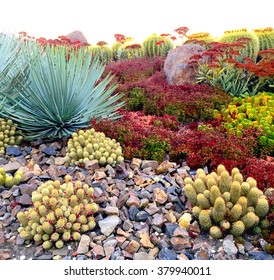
point(61, 93)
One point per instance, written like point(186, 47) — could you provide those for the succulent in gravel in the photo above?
point(8, 180)
point(91, 145)
point(232, 205)
point(9, 136)
point(64, 215)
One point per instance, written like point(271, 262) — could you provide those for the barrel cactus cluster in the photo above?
point(7, 180)
point(224, 203)
point(91, 145)
point(156, 45)
point(252, 44)
point(9, 136)
point(60, 213)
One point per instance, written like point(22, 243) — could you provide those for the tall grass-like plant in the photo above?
point(10, 58)
point(62, 92)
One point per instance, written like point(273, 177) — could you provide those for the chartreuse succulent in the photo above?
point(61, 212)
point(8, 180)
point(9, 135)
point(224, 203)
point(251, 112)
point(91, 145)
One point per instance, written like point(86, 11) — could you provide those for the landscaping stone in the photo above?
point(108, 225)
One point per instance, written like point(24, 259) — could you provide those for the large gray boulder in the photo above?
point(177, 69)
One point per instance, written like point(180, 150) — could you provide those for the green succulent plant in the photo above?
point(223, 208)
point(156, 45)
point(266, 37)
point(8, 180)
point(9, 135)
point(62, 92)
point(251, 112)
point(60, 213)
point(91, 145)
point(251, 49)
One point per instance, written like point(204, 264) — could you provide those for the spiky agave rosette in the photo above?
point(60, 213)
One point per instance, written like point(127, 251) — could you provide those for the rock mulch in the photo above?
point(140, 205)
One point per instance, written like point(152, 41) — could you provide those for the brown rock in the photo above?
point(92, 165)
point(120, 240)
point(159, 196)
point(177, 69)
point(5, 254)
point(25, 199)
point(164, 167)
point(83, 246)
point(123, 233)
point(143, 256)
point(59, 161)
point(133, 201)
point(145, 241)
point(111, 210)
point(180, 243)
point(12, 166)
point(149, 163)
point(99, 175)
point(136, 163)
point(98, 252)
point(132, 247)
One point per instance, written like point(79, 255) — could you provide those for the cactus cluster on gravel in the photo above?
point(8, 180)
point(91, 145)
point(224, 203)
point(60, 213)
point(8, 134)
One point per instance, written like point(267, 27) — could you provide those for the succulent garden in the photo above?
point(102, 157)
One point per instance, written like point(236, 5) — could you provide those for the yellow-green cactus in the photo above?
point(262, 207)
point(215, 232)
point(9, 135)
point(225, 202)
point(191, 194)
point(205, 219)
point(8, 180)
point(237, 228)
point(91, 145)
point(218, 211)
point(60, 212)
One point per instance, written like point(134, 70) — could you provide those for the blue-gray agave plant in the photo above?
point(62, 91)
point(11, 60)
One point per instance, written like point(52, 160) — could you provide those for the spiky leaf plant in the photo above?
point(10, 58)
point(63, 91)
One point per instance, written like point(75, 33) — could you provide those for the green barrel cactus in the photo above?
point(101, 52)
point(266, 37)
point(156, 45)
point(252, 46)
